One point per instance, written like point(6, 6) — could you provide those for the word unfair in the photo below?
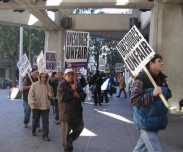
point(76, 52)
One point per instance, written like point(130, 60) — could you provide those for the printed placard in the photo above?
point(41, 64)
point(76, 49)
point(51, 61)
point(119, 67)
point(24, 65)
point(135, 50)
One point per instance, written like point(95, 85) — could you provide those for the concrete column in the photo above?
point(166, 35)
point(55, 42)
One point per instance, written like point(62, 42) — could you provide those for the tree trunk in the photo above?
point(13, 74)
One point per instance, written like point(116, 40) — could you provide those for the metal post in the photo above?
point(20, 55)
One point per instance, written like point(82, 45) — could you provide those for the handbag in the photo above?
point(93, 87)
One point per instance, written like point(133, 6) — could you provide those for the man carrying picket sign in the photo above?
point(27, 82)
point(150, 114)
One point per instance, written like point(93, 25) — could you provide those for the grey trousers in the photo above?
point(69, 136)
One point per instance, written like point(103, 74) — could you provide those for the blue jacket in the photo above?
point(152, 117)
point(150, 113)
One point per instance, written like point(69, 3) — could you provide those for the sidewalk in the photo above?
point(108, 128)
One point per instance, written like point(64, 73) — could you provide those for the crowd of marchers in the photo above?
point(66, 96)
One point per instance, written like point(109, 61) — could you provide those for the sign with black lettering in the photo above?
point(76, 49)
point(107, 69)
point(24, 65)
point(135, 50)
point(51, 61)
point(41, 64)
point(101, 67)
point(101, 62)
point(34, 64)
point(119, 67)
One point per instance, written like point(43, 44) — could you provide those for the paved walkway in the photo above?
point(108, 128)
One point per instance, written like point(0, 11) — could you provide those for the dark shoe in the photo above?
point(33, 133)
point(46, 138)
point(118, 96)
point(99, 103)
point(124, 97)
point(67, 150)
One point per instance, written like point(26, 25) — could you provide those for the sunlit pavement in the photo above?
point(108, 128)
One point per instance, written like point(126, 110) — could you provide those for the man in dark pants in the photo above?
point(39, 97)
point(70, 95)
point(54, 83)
point(97, 79)
point(26, 86)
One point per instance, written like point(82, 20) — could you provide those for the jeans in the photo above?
point(27, 112)
point(36, 113)
point(69, 136)
point(56, 109)
point(148, 141)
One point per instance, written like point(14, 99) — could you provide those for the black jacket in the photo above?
point(54, 85)
point(70, 108)
point(89, 80)
point(97, 79)
point(28, 83)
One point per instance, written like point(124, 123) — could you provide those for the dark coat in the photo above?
point(54, 85)
point(97, 79)
point(70, 107)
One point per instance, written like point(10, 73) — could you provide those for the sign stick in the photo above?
point(155, 85)
point(30, 77)
point(75, 75)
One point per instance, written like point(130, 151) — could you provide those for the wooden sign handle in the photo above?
point(155, 85)
point(75, 75)
point(30, 77)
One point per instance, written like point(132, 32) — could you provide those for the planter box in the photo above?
point(15, 93)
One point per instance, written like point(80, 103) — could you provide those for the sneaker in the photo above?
point(57, 122)
point(107, 103)
point(38, 129)
point(33, 133)
point(46, 138)
point(25, 126)
point(118, 96)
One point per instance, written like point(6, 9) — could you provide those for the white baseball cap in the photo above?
point(68, 70)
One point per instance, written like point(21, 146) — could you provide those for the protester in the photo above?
point(26, 86)
point(104, 89)
point(70, 95)
point(122, 86)
point(39, 100)
point(53, 75)
point(89, 81)
point(111, 84)
point(150, 114)
point(97, 79)
point(82, 81)
point(54, 83)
